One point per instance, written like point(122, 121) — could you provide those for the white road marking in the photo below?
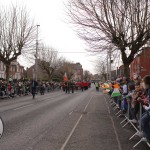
point(71, 113)
point(23, 107)
point(75, 126)
point(113, 124)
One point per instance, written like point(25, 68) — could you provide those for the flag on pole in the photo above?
point(65, 77)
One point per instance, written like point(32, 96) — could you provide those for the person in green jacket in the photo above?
point(97, 86)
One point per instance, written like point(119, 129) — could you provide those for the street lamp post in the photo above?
point(109, 61)
point(107, 68)
point(36, 56)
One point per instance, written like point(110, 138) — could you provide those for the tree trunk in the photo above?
point(7, 71)
point(49, 77)
point(126, 70)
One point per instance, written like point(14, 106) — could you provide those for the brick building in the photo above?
point(118, 72)
point(141, 64)
point(78, 72)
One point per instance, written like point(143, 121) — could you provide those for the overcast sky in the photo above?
point(54, 31)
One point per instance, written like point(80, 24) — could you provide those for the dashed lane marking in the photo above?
point(71, 113)
point(75, 126)
point(23, 107)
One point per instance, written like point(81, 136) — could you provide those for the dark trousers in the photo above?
point(82, 88)
point(97, 88)
point(145, 124)
point(67, 90)
point(136, 110)
point(72, 89)
point(33, 91)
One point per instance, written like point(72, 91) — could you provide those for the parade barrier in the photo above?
point(128, 121)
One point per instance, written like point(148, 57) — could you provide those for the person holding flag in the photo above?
point(116, 94)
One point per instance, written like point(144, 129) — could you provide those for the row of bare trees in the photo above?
point(54, 65)
point(114, 24)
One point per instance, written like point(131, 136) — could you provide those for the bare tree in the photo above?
point(87, 75)
point(16, 34)
point(49, 61)
point(66, 67)
point(113, 23)
point(101, 68)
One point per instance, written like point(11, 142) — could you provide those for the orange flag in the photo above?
point(65, 77)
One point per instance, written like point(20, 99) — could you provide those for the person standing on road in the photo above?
point(69, 86)
point(66, 87)
point(97, 86)
point(72, 86)
point(82, 86)
point(33, 87)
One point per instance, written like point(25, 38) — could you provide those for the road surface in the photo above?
point(60, 121)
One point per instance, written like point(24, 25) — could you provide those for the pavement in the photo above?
point(60, 121)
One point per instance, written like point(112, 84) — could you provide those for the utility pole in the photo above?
point(107, 68)
point(36, 56)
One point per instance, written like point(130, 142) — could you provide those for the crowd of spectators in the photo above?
point(133, 101)
point(12, 88)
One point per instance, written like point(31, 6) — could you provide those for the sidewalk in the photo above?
point(99, 130)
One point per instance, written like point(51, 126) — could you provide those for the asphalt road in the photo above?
point(59, 121)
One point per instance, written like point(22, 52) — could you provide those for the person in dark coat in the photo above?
point(66, 87)
point(72, 85)
point(33, 87)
